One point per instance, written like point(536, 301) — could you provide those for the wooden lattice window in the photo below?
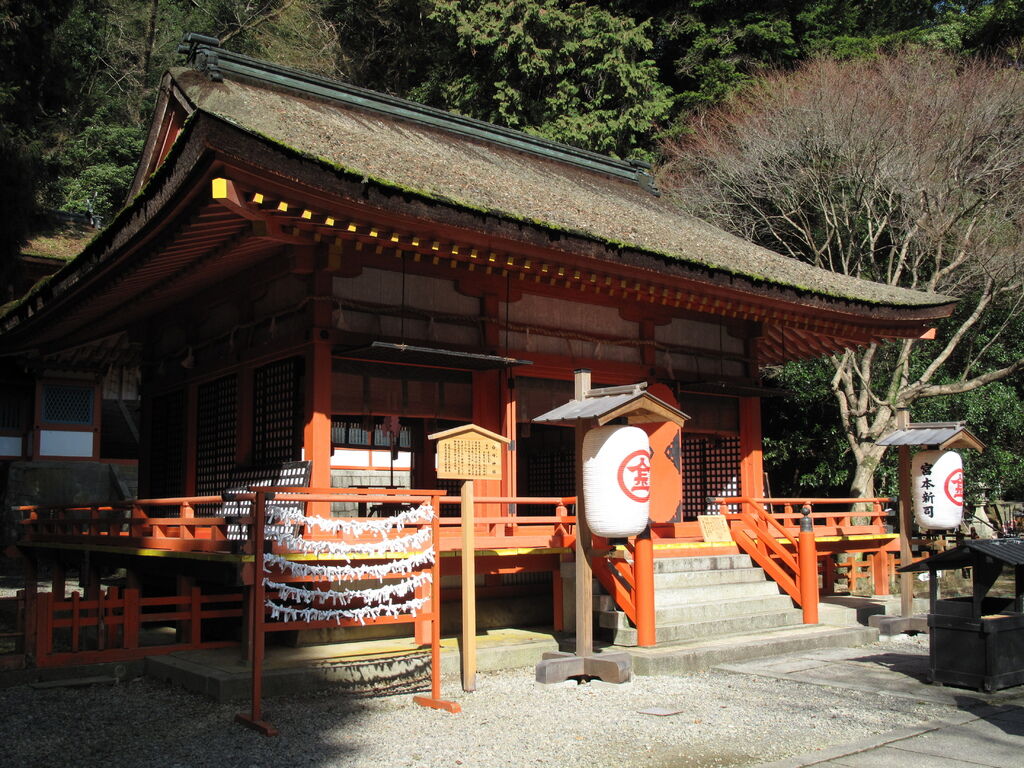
point(68, 404)
point(277, 412)
point(547, 462)
point(711, 468)
point(167, 445)
point(216, 435)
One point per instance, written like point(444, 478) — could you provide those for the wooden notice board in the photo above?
point(714, 528)
point(470, 455)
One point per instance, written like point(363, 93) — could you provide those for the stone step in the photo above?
point(681, 579)
point(704, 629)
point(716, 592)
point(703, 563)
point(699, 595)
point(682, 658)
point(684, 613)
point(664, 565)
point(385, 667)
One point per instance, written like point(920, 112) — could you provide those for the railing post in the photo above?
point(44, 627)
point(32, 610)
point(196, 619)
point(643, 586)
point(808, 563)
point(880, 572)
point(132, 617)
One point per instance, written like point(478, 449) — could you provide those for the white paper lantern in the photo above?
point(938, 489)
point(617, 480)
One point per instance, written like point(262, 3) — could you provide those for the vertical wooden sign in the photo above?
point(468, 453)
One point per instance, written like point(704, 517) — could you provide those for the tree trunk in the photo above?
point(863, 483)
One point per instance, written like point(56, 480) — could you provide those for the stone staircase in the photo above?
point(702, 597)
point(716, 609)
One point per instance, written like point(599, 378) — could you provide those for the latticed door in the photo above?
point(216, 434)
point(711, 467)
point(278, 412)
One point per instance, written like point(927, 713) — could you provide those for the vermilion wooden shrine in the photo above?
point(310, 271)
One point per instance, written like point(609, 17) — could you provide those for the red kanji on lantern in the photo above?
point(955, 487)
point(635, 476)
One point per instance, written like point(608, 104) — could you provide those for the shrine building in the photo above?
point(310, 271)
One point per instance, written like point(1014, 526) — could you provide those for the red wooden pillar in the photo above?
point(490, 395)
point(828, 574)
point(808, 562)
point(508, 394)
point(316, 436)
point(643, 575)
point(751, 455)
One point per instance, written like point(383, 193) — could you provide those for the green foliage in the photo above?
point(573, 72)
point(33, 85)
point(805, 452)
point(96, 166)
point(79, 76)
point(996, 415)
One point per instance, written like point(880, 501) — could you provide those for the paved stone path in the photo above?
point(980, 730)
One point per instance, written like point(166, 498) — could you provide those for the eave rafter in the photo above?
point(235, 214)
point(341, 225)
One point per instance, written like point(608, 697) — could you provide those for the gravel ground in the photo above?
point(724, 720)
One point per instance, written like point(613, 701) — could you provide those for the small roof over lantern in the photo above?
point(944, 435)
point(606, 404)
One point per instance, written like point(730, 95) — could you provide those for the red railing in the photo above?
point(830, 522)
point(765, 528)
point(788, 553)
point(629, 578)
point(77, 630)
point(12, 631)
point(769, 545)
point(131, 525)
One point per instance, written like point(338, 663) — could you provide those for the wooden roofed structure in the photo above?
point(309, 270)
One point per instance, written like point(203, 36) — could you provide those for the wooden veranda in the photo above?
point(214, 570)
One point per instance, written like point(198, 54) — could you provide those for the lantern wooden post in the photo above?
point(936, 435)
point(584, 572)
point(468, 590)
point(468, 453)
point(257, 596)
point(599, 407)
point(906, 521)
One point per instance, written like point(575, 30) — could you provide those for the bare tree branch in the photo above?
point(905, 169)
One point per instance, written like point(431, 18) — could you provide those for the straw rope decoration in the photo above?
point(409, 552)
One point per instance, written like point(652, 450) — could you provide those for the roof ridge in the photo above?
point(205, 55)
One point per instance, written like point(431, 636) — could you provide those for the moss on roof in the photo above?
point(481, 176)
point(61, 242)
